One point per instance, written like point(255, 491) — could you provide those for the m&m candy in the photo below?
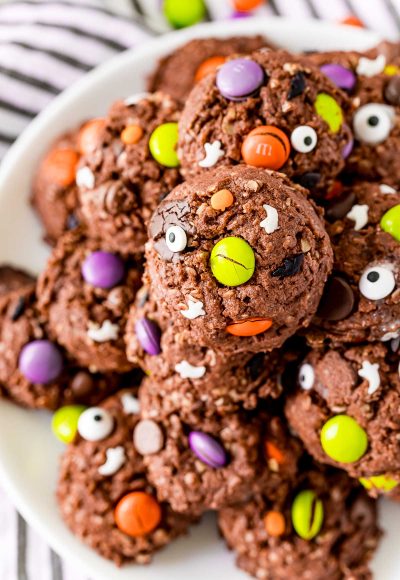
point(266, 147)
point(162, 144)
point(343, 439)
point(232, 261)
point(307, 514)
point(138, 513)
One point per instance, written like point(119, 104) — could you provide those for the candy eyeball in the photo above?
point(304, 139)
point(95, 424)
point(373, 122)
point(377, 282)
point(176, 239)
point(306, 376)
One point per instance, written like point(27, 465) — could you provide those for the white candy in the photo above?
point(271, 222)
point(188, 371)
point(306, 376)
point(115, 458)
point(370, 372)
point(386, 189)
point(213, 152)
point(95, 424)
point(85, 178)
point(194, 310)
point(148, 437)
point(130, 404)
point(304, 139)
point(372, 123)
point(176, 239)
point(359, 214)
point(377, 282)
point(107, 331)
point(368, 67)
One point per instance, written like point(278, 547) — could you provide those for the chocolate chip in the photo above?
point(19, 309)
point(256, 365)
point(72, 221)
point(309, 180)
point(337, 301)
point(290, 266)
point(392, 91)
point(82, 384)
point(341, 206)
point(297, 86)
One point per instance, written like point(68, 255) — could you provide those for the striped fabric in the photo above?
point(45, 45)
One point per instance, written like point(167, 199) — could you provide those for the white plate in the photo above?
point(28, 452)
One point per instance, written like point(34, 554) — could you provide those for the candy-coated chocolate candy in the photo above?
point(244, 5)
point(95, 424)
point(208, 66)
point(330, 111)
point(391, 70)
point(103, 269)
point(232, 261)
point(207, 449)
point(149, 335)
point(382, 483)
point(162, 144)
point(138, 513)
point(40, 361)
point(131, 134)
point(60, 166)
point(352, 21)
point(183, 13)
point(221, 200)
point(377, 282)
point(65, 422)
point(343, 439)
point(239, 78)
point(343, 77)
point(307, 514)
point(273, 452)
point(348, 148)
point(337, 300)
point(274, 523)
point(390, 222)
point(89, 135)
point(82, 384)
point(266, 147)
point(249, 326)
point(148, 437)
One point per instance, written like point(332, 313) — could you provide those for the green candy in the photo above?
point(307, 514)
point(343, 439)
point(390, 222)
point(162, 144)
point(182, 13)
point(232, 261)
point(382, 483)
point(330, 111)
point(65, 422)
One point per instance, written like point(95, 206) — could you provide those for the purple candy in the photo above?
point(343, 77)
point(40, 361)
point(238, 14)
point(103, 270)
point(348, 148)
point(207, 449)
point(239, 78)
point(149, 335)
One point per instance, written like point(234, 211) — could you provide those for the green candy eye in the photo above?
point(330, 111)
point(390, 222)
point(343, 439)
point(307, 514)
point(232, 261)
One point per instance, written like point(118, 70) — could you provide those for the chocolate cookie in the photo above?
point(346, 409)
point(323, 528)
point(131, 168)
point(273, 110)
point(177, 73)
point(215, 461)
point(36, 372)
point(85, 293)
point(13, 279)
point(245, 252)
point(103, 492)
point(362, 298)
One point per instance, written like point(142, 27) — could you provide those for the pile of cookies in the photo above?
point(218, 324)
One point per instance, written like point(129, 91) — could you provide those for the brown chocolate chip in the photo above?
point(309, 180)
point(82, 384)
point(337, 301)
point(392, 91)
point(340, 207)
point(19, 309)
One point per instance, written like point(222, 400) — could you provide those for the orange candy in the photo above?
point(352, 21)
point(137, 514)
point(266, 147)
point(274, 523)
point(273, 452)
point(60, 166)
point(245, 5)
point(131, 134)
point(208, 66)
point(335, 190)
point(221, 199)
point(89, 135)
point(249, 326)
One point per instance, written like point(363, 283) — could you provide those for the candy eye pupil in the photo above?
point(308, 141)
point(373, 121)
point(171, 237)
point(97, 418)
point(373, 276)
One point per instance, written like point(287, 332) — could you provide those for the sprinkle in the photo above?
point(115, 458)
point(359, 214)
point(130, 404)
point(188, 371)
point(104, 332)
point(371, 67)
point(370, 372)
point(270, 223)
point(213, 152)
point(194, 310)
point(386, 189)
point(85, 178)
